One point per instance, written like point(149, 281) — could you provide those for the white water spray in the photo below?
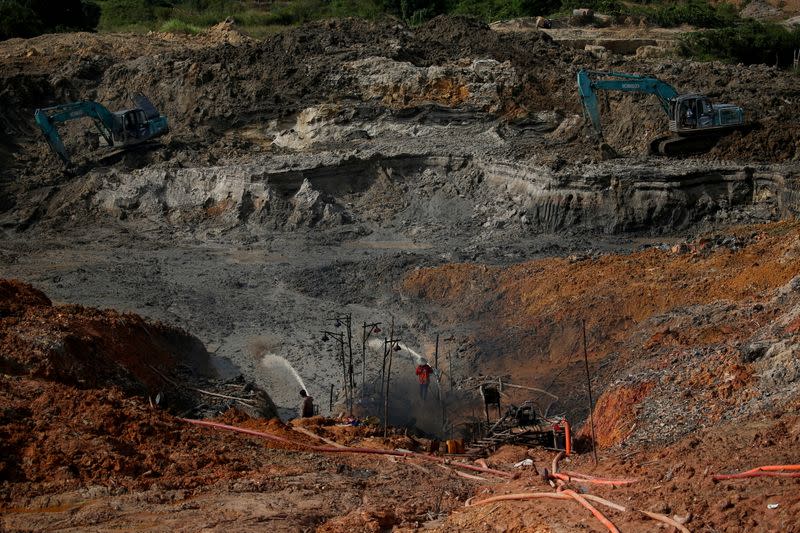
point(405, 351)
point(277, 364)
point(417, 357)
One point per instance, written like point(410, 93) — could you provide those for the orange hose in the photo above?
point(518, 496)
point(597, 514)
point(556, 459)
point(535, 495)
point(762, 471)
point(743, 475)
point(333, 449)
point(595, 481)
point(667, 520)
point(579, 475)
point(567, 438)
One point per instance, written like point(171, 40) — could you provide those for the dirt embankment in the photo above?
point(703, 331)
point(77, 389)
point(85, 347)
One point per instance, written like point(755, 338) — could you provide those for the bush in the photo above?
point(492, 10)
point(66, 15)
point(356, 8)
point(698, 13)
point(18, 20)
point(179, 26)
point(121, 13)
point(607, 7)
point(749, 42)
point(26, 18)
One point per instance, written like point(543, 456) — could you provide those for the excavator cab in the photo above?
point(694, 113)
point(134, 124)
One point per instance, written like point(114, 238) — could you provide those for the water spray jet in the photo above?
point(275, 362)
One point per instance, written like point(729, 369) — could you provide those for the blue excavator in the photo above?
point(695, 124)
point(118, 129)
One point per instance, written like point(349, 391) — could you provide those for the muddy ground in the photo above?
point(408, 174)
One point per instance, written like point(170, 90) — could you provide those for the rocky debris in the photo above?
point(520, 24)
point(598, 51)
point(312, 208)
point(753, 372)
point(651, 51)
point(761, 10)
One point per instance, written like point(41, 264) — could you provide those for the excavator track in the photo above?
point(675, 145)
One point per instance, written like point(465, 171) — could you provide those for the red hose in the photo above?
point(333, 449)
point(762, 471)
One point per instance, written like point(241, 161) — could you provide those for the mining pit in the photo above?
point(441, 179)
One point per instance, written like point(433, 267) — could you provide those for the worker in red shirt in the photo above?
point(424, 372)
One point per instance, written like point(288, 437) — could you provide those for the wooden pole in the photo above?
point(450, 364)
point(351, 382)
point(437, 372)
point(390, 348)
point(386, 405)
point(344, 371)
point(363, 360)
point(436, 353)
point(383, 372)
point(589, 387)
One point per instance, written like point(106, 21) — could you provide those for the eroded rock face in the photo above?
point(222, 195)
point(474, 195)
point(478, 83)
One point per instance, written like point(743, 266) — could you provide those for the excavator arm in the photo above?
point(47, 119)
point(589, 82)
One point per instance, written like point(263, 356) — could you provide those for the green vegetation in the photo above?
point(698, 13)
point(749, 42)
point(179, 26)
point(489, 10)
point(26, 18)
point(251, 17)
point(607, 7)
point(728, 37)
